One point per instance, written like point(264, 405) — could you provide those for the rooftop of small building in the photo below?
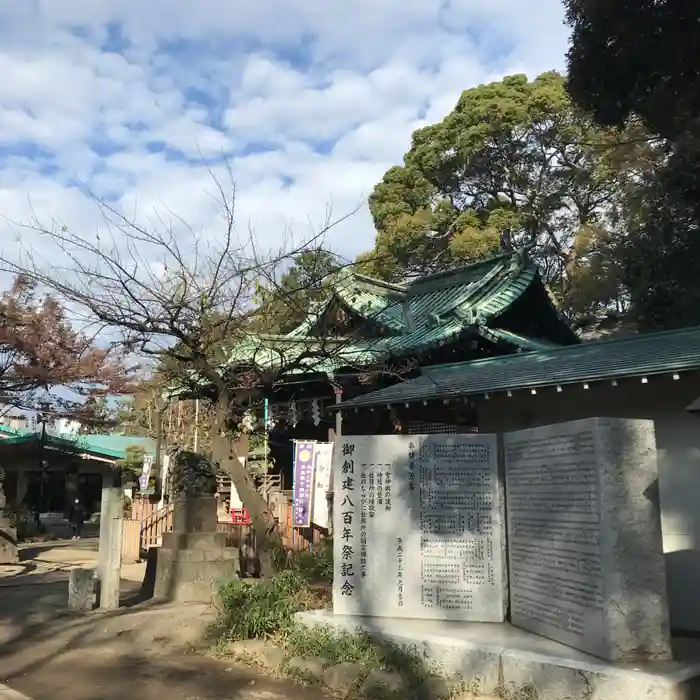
point(107, 446)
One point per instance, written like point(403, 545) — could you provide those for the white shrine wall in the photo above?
point(663, 400)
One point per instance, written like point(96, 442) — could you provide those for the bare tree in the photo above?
point(183, 300)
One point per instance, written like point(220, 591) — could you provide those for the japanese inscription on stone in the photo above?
point(420, 527)
point(554, 529)
point(575, 495)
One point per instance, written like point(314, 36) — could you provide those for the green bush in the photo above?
point(259, 609)
point(313, 567)
point(191, 474)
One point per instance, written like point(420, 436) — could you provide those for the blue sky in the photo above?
point(310, 101)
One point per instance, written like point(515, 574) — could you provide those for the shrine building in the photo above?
point(369, 335)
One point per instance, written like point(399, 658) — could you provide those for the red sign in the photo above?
point(239, 516)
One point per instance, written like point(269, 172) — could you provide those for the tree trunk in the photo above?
point(225, 453)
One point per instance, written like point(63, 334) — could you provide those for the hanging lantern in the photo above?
point(293, 415)
point(315, 412)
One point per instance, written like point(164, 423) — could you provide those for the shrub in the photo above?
point(314, 567)
point(192, 474)
point(259, 609)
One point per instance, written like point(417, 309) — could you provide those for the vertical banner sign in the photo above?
point(303, 482)
point(164, 481)
point(323, 459)
point(146, 472)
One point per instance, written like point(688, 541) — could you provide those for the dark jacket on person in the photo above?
point(77, 514)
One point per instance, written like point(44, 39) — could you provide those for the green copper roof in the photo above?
point(109, 446)
point(640, 355)
point(415, 316)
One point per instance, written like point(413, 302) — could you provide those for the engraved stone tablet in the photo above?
point(81, 589)
point(584, 537)
point(418, 527)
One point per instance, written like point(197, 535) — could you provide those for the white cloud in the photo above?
point(310, 101)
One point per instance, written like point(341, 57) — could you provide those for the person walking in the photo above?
point(77, 518)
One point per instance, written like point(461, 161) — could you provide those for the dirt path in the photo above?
point(144, 651)
point(106, 673)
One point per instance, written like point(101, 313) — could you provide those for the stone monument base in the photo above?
point(191, 565)
point(8, 545)
point(489, 656)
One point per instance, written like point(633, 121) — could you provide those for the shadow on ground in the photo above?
point(143, 649)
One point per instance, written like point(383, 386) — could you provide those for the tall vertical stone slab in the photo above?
point(110, 547)
point(110, 577)
point(111, 507)
point(8, 536)
point(418, 527)
point(584, 537)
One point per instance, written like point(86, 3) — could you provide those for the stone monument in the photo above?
point(8, 535)
point(81, 589)
point(418, 528)
point(194, 557)
point(110, 547)
point(584, 537)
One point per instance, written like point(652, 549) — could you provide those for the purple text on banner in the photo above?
point(303, 481)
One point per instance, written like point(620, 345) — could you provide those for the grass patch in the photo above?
point(337, 646)
point(512, 692)
point(261, 609)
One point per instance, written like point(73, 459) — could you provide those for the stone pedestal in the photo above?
point(194, 558)
point(499, 660)
point(584, 537)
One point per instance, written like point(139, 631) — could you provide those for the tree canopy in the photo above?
point(41, 353)
point(638, 59)
point(515, 163)
point(284, 304)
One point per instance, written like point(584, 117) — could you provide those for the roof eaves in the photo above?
point(18, 440)
point(398, 290)
point(80, 444)
point(520, 341)
point(606, 342)
point(440, 381)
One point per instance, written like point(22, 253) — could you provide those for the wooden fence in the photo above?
point(141, 534)
point(131, 540)
point(142, 507)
